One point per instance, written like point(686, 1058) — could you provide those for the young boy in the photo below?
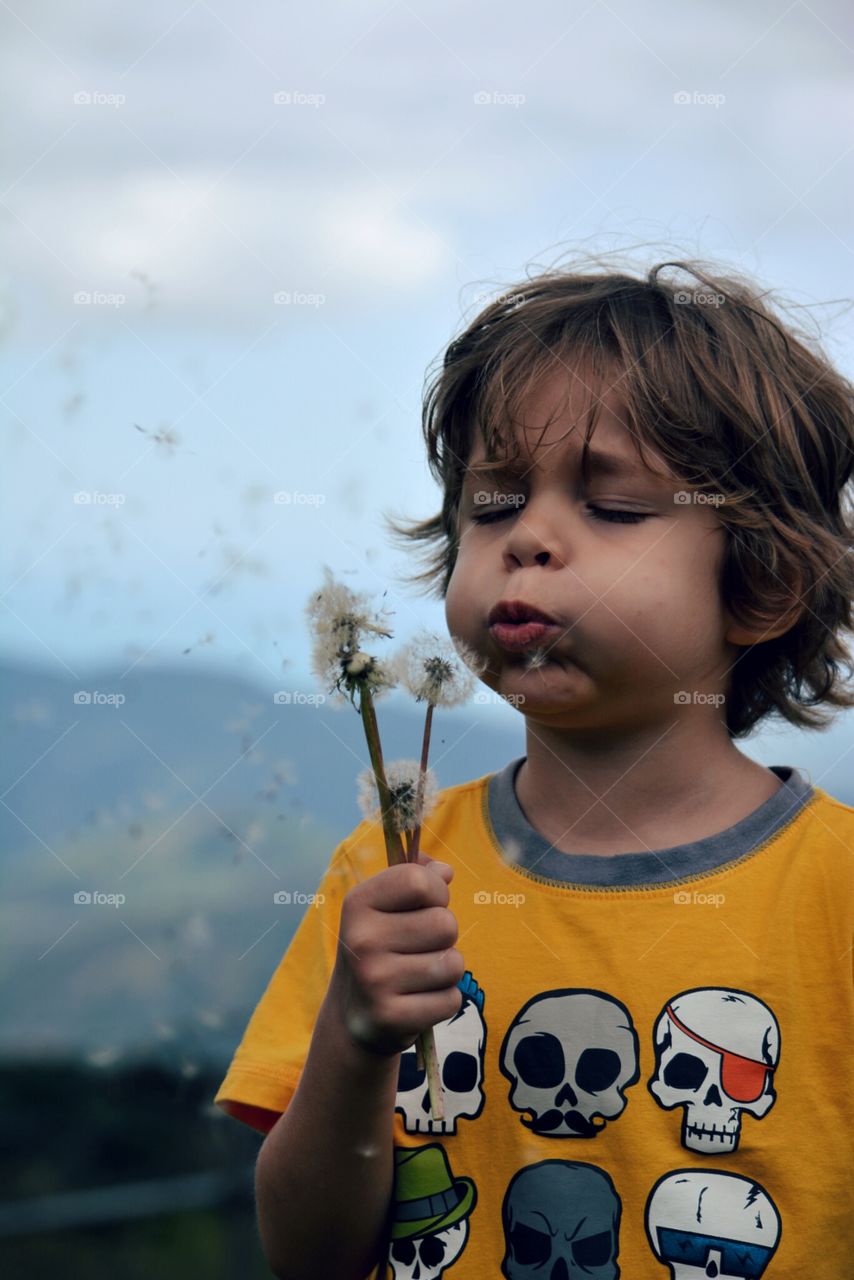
point(636, 950)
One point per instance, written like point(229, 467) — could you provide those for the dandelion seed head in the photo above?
point(339, 619)
point(433, 670)
point(402, 779)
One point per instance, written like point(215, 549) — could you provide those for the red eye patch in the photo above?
point(742, 1078)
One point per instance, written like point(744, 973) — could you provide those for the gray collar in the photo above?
point(523, 846)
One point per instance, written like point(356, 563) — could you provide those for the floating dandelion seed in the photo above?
point(534, 659)
point(402, 777)
point(167, 438)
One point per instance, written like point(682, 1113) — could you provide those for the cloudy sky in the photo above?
point(237, 236)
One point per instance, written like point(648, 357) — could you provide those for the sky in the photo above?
point(236, 240)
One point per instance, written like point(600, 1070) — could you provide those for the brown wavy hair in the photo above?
point(736, 400)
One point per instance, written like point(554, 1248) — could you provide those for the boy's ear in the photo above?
point(773, 618)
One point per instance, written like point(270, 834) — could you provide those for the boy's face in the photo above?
point(636, 600)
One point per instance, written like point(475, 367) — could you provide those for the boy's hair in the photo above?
point(734, 401)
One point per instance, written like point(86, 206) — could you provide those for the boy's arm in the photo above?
point(325, 1172)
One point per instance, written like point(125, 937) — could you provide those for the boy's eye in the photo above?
point(599, 513)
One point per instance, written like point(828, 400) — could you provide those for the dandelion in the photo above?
point(402, 777)
point(442, 675)
point(342, 622)
point(340, 618)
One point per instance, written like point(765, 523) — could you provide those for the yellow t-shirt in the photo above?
point(645, 1078)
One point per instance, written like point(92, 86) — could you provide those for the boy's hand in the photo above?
point(397, 967)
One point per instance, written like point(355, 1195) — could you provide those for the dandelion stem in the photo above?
point(393, 844)
point(426, 1053)
point(419, 794)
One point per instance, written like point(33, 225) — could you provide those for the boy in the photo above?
point(637, 948)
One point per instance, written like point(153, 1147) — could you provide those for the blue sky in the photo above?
point(419, 157)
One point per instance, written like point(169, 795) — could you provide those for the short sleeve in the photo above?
point(268, 1062)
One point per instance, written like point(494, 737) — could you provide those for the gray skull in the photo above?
point(561, 1222)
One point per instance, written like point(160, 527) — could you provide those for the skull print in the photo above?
point(702, 1223)
point(569, 1055)
point(561, 1222)
point(460, 1044)
point(716, 1050)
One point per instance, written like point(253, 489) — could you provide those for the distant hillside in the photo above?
point(219, 796)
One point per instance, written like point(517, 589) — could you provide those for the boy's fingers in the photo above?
point(444, 868)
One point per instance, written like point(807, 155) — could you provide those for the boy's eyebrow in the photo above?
point(598, 462)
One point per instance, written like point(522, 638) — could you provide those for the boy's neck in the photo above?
point(651, 792)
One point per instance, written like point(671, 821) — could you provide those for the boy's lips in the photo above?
point(515, 611)
point(518, 626)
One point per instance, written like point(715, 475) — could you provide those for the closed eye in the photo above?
point(608, 514)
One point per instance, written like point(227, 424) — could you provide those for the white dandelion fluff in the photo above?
point(436, 671)
point(340, 619)
point(402, 777)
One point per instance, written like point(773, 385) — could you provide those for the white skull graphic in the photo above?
point(427, 1257)
point(459, 1049)
point(716, 1049)
point(570, 1054)
point(561, 1222)
point(704, 1224)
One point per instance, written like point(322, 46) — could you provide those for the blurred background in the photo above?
point(235, 238)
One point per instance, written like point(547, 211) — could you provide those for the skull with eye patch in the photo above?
point(561, 1222)
point(570, 1054)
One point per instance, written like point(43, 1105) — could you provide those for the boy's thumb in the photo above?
point(444, 868)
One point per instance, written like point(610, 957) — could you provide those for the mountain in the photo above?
point(196, 798)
